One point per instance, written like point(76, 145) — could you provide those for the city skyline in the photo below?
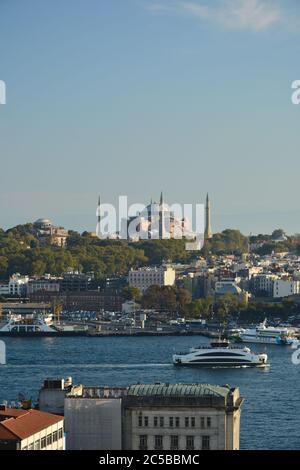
point(146, 95)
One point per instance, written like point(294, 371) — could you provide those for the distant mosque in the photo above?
point(158, 221)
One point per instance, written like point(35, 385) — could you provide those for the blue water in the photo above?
point(271, 411)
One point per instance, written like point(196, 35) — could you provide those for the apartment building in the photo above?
point(285, 287)
point(143, 278)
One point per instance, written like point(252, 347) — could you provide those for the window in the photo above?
point(158, 442)
point(171, 421)
point(146, 421)
point(54, 436)
point(31, 447)
point(143, 442)
point(37, 445)
point(205, 443)
point(43, 443)
point(49, 439)
point(192, 422)
point(208, 422)
point(140, 421)
point(202, 422)
point(60, 433)
point(174, 443)
point(187, 422)
point(155, 421)
point(190, 443)
point(177, 422)
point(161, 421)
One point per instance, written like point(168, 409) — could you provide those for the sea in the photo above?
point(270, 412)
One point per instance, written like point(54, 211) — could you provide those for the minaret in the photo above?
point(99, 216)
point(161, 217)
point(208, 231)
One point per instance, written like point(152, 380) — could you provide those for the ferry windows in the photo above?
point(205, 443)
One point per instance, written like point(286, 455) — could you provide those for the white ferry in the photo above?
point(220, 354)
point(268, 335)
point(38, 325)
point(20, 325)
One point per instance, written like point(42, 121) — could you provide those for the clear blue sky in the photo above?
point(131, 97)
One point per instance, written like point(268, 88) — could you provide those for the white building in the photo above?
point(285, 288)
point(170, 417)
point(94, 421)
point(143, 278)
point(263, 283)
point(18, 285)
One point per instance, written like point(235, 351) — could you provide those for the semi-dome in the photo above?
point(43, 222)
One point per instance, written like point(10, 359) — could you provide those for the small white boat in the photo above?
point(220, 354)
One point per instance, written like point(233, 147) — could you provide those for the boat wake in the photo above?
point(87, 366)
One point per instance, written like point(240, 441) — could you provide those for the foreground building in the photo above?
point(147, 417)
point(30, 430)
point(181, 417)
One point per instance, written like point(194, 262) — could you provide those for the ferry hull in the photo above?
point(219, 365)
point(261, 340)
point(37, 334)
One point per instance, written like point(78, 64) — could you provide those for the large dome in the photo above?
point(43, 223)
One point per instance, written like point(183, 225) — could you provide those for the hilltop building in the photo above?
point(49, 233)
point(156, 222)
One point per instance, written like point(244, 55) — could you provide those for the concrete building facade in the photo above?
point(181, 417)
point(150, 417)
point(285, 287)
point(144, 278)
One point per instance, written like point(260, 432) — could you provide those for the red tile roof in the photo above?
point(20, 424)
